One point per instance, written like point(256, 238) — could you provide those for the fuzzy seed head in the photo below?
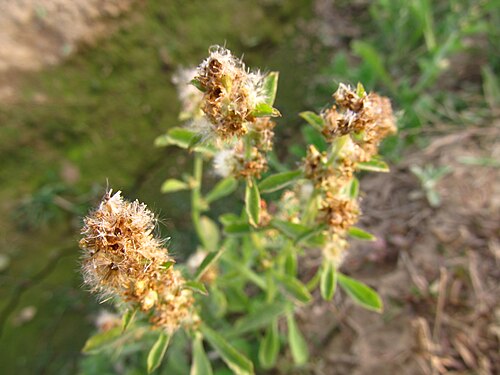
point(122, 258)
point(230, 92)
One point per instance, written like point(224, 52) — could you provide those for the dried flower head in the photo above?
point(122, 258)
point(368, 118)
point(240, 163)
point(338, 213)
point(231, 93)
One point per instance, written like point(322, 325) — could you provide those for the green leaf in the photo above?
point(292, 230)
point(207, 262)
point(128, 317)
point(196, 286)
point(298, 345)
point(233, 359)
point(229, 218)
point(265, 110)
point(328, 281)
point(201, 363)
point(270, 87)
point(291, 263)
point(157, 352)
point(222, 189)
point(361, 293)
point(360, 234)
point(360, 90)
point(313, 237)
point(198, 85)
point(261, 317)
point(102, 340)
point(270, 346)
point(171, 185)
point(354, 188)
point(184, 138)
point(245, 271)
point(373, 166)
point(316, 121)
point(278, 181)
point(252, 202)
point(239, 228)
point(374, 60)
point(176, 136)
point(294, 287)
point(209, 234)
point(165, 266)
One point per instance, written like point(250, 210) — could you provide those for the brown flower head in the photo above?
point(231, 93)
point(338, 213)
point(122, 258)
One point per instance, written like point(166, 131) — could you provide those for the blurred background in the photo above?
point(86, 87)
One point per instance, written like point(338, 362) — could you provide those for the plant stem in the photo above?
point(196, 194)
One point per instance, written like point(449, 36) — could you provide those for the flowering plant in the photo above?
point(240, 290)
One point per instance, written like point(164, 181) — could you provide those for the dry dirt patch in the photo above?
point(35, 34)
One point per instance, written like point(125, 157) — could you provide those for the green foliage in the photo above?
point(233, 359)
point(157, 352)
point(361, 293)
point(328, 283)
point(269, 346)
point(201, 363)
point(429, 176)
point(298, 344)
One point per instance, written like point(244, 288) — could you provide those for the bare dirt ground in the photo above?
point(36, 34)
point(436, 269)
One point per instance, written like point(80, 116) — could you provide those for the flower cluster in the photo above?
point(354, 127)
point(122, 258)
point(367, 118)
point(231, 95)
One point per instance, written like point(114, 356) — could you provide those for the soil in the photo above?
point(40, 34)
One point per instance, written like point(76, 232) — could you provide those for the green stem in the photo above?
point(196, 194)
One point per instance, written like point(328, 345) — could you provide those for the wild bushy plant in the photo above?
point(239, 291)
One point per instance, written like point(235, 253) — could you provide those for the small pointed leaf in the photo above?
point(316, 121)
point(209, 234)
point(361, 293)
point(236, 361)
point(101, 340)
point(295, 288)
point(360, 234)
point(328, 281)
point(265, 110)
point(252, 202)
point(298, 345)
point(201, 363)
point(270, 87)
point(222, 189)
point(210, 259)
point(373, 166)
point(270, 346)
point(171, 185)
point(128, 317)
point(157, 352)
point(196, 286)
point(278, 181)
